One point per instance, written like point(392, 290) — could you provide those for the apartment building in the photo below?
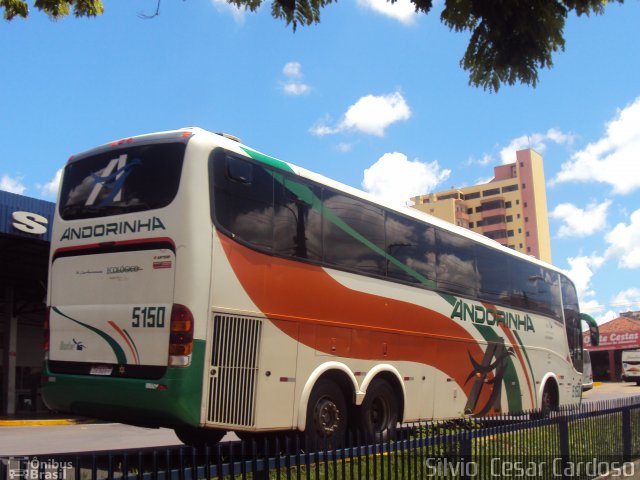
point(510, 209)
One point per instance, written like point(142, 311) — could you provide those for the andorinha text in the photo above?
point(113, 228)
point(491, 316)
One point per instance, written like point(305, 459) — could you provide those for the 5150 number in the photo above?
point(148, 317)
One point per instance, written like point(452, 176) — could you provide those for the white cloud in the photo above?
point(370, 114)
point(294, 86)
point(344, 147)
point(581, 270)
point(13, 185)
point(394, 178)
point(50, 189)
point(580, 222)
point(402, 10)
point(537, 141)
point(222, 6)
point(624, 241)
point(483, 180)
point(613, 159)
point(605, 317)
point(292, 70)
point(626, 300)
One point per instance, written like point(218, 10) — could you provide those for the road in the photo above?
point(38, 440)
point(610, 391)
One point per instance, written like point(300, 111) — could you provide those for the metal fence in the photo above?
point(585, 441)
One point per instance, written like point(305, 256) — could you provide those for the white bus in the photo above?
point(631, 366)
point(198, 284)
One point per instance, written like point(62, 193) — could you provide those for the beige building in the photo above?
point(511, 209)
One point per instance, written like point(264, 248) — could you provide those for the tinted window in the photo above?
point(525, 277)
point(352, 232)
point(492, 205)
point(456, 264)
point(493, 191)
point(243, 199)
point(297, 224)
point(572, 321)
point(412, 246)
point(493, 274)
point(549, 294)
point(496, 234)
point(121, 181)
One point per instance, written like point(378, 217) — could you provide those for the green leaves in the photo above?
point(294, 12)
point(13, 8)
point(512, 39)
point(54, 8)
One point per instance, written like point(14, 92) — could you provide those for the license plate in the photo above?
point(101, 370)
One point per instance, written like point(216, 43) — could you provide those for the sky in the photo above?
point(373, 96)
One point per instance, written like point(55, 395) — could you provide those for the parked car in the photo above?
point(587, 371)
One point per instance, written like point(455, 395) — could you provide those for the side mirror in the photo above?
point(594, 331)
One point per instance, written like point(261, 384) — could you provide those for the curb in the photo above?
point(43, 422)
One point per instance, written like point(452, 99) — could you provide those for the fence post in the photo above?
point(466, 462)
point(563, 426)
point(626, 434)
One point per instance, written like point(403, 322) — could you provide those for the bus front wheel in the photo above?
point(549, 399)
point(326, 415)
point(199, 437)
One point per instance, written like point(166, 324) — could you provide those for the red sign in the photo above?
point(614, 341)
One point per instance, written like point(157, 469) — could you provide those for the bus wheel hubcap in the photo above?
point(327, 416)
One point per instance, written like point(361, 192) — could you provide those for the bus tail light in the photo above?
point(181, 336)
point(45, 345)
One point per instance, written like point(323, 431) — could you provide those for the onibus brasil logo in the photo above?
point(34, 469)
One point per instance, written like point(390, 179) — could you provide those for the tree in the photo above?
point(510, 39)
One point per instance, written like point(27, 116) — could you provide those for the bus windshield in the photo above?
point(120, 181)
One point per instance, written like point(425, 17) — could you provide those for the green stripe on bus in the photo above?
point(121, 358)
point(510, 379)
point(274, 162)
point(526, 356)
point(305, 194)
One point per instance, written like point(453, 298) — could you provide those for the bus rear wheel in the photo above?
point(199, 437)
point(378, 415)
point(326, 416)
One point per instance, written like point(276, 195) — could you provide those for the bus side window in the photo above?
point(297, 223)
point(350, 228)
point(524, 284)
point(412, 244)
point(456, 268)
point(243, 199)
point(493, 272)
point(239, 170)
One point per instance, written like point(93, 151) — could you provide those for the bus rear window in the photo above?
point(121, 181)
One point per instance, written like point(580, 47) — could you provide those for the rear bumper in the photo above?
point(170, 401)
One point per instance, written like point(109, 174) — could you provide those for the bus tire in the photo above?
point(327, 416)
point(199, 437)
point(378, 415)
point(549, 400)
